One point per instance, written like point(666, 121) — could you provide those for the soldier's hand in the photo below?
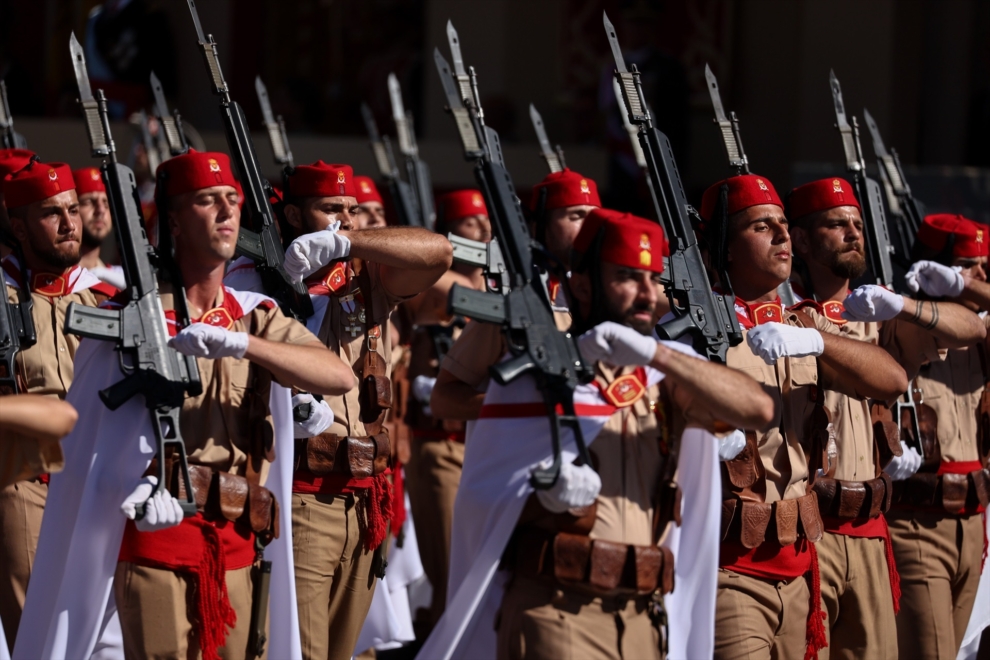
point(872, 303)
point(617, 344)
point(576, 486)
point(160, 511)
point(772, 341)
point(903, 466)
point(320, 416)
point(935, 279)
point(731, 445)
point(209, 341)
point(311, 252)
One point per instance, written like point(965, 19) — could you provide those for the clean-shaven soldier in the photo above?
point(858, 573)
point(341, 495)
point(768, 600)
point(371, 212)
point(43, 212)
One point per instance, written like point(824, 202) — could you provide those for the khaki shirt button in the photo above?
point(61, 349)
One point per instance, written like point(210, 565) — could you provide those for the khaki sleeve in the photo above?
point(822, 324)
point(910, 345)
point(479, 347)
point(386, 298)
point(272, 325)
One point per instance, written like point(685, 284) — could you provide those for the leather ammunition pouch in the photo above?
point(783, 521)
point(849, 500)
point(600, 566)
point(358, 457)
point(221, 495)
point(951, 492)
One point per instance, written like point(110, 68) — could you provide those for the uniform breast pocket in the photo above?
point(766, 380)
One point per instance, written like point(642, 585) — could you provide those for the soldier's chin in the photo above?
point(64, 256)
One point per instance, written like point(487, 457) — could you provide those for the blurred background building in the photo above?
point(922, 68)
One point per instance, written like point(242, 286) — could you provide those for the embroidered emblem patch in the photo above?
point(219, 317)
point(585, 188)
point(624, 391)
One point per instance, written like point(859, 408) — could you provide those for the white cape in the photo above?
point(500, 455)
point(82, 528)
point(979, 620)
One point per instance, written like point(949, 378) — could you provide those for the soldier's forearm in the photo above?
point(454, 399)
point(952, 324)
point(41, 417)
point(412, 258)
point(311, 368)
point(863, 370)
point(976, 291)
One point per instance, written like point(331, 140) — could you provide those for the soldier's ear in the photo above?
point(799, 240)
point(18, 229)
point(293, 215)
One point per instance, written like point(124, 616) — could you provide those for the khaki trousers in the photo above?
point(539, 621)
point(334, 581)
point(759, 619)
point(22, 506)
point(432, 478)
point(938, 557)
point(856, 593)
point(157, 607)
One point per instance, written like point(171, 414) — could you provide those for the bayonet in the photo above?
point(461, 77)
point(9, 138)
point(406, 146)
point(148, 142)
point(548, 154)
point(276, 128)
point(631, 130)
point(853, 163)
point(729, 128)
point(91, 111)
point(417, 171)
point(177, 144)
point(470, 139)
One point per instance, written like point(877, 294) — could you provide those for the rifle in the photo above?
point(908, 212)
point(729, 127)
point(400, 191)
point(154, 157)
point(151, 368)
point(9, 138)
point(171, 127)
point(555, 156)
point(417, 171)
point(17, 330)
point(878, 247)
point(709, 316)
point(525, 312)
point(263, 245)
point(275, 127)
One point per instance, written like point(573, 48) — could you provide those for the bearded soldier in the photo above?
point(94, 209)
point(858, 574)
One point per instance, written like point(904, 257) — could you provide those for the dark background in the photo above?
point(922, 67)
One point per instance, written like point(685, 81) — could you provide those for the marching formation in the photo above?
point(752, 428)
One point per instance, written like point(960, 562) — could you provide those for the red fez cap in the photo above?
point(971, 237)
point(461, 204)
point(566, 188)
point(88, 179)
point(745, 190)
point(36, 182)
point(12, 160)
point(322, 180)
point(629, 240)
point(197, 170)
point(820, 195)
point(366, 190)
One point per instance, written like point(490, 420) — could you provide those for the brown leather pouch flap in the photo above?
point(233, 495)
point(981, 484)
point(888, 491)
point(321, 453)
point(376, 388)
point(755, 518)
point(877, 490)
point(728, 513)
point(383, 452)
point(667, 575)
point(361, 456)
point(608, 561)
point(954, 490)
point(852, 495)
point(200, 476)
point(811, 519)
point(571, 555)
point(827, 490)
point(263, 513)
point(743, 470)
point(787, 521)
point(649, 567)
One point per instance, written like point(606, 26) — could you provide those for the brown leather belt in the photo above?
point(221, 495)
point(603, 566)
point(359, 457)
point(850, 500)
point(951, 492)
point(751, 521)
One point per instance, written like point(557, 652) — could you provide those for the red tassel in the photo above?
point(215, 613)
point(895, 577)
point(379, 510)
point(398, 499)
point(815, 630)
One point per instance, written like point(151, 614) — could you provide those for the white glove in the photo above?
point(731, 445)
point(320, 416)
point(576, 486)
point(772, 341)
point(935, 279)
point(617, 344)
point(903, 466)
point(872, 303)
point(209, 341)
point(422, 388)
point(311, 252)
point(112, 276)
point(160, 512)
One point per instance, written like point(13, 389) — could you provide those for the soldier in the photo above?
point(858, 573)
point(587, 569)
point(372, 208)
point(939, 494)
point(11, 160)
point(765, 607)
point(341, 500)
point(94, 209)
point(43, 211)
